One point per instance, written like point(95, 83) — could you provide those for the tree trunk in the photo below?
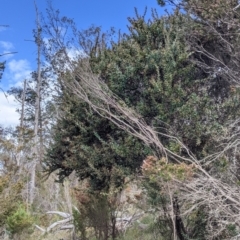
point(20, 138)
point(180, 229)
point(35, 153)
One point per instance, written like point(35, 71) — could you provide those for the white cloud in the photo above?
point(6, 45)
point(16, 71)
point(5, 49)
point(8, 114)
point(17, 66)
point(19, 70)
point(75, 54)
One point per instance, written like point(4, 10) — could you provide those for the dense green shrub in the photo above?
point(19, 220)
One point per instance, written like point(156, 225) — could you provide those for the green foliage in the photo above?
point(158, 69)
point(80, 224)
point(19, 220)
point(9, 197)
point(93, 147)
point(232, 230)
point(151, 70)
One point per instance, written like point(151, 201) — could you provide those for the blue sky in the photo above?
point(20, 16)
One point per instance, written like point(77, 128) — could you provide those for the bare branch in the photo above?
point(7, 53)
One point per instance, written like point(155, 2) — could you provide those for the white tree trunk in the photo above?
point(20, 138)
point(35, 153)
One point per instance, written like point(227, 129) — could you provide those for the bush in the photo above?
point(19, 220)
point(9, 197)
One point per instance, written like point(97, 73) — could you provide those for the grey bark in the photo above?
point(35, 153)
